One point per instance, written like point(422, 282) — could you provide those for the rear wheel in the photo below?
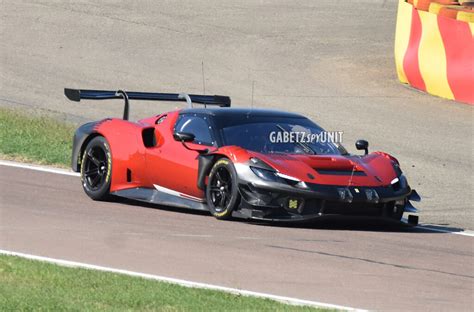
point(96, 168)
point(222, 192)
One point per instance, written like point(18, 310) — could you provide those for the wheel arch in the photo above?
point(83, 135)
point(126, 145)
point(97, 189)
point(205, 163)
point(223, 210)
point(83, 147)
point(234, 153)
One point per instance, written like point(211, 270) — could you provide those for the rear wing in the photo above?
point(78, 94)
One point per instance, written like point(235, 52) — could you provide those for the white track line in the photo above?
point(286, 300)
point(432, 228)
point(38, 168)
point(70, 173)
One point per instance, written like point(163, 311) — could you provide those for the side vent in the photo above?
point(148, 137)
point(129, 175)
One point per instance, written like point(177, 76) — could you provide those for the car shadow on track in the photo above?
point(342, 223)
point(131, 202)
point(366, 224)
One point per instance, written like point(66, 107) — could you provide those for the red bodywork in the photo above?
point(170, 165)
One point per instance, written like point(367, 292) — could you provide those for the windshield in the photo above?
point(281, 135)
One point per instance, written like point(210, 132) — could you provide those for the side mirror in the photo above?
point(183, 136)
point(363, 145)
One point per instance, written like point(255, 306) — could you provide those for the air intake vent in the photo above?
point(129, 175)
point(148, 136)
point(340, 172)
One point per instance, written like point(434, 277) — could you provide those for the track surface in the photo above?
point(330, 60)
point(398, 269)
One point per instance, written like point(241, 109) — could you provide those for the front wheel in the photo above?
point(96, 168)
point(222, 192)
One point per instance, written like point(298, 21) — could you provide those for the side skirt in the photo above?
point(160, 197)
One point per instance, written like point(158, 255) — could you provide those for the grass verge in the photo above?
point(27, 285)
point(37, 139)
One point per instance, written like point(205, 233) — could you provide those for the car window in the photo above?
point(196, 125)
point(259, 135)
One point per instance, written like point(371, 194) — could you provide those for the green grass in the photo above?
point(27, 285)
point(36, 139)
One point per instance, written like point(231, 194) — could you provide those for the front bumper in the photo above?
point(272, 201)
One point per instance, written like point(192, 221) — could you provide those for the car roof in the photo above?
point(232, 111)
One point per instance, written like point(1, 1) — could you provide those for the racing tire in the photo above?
point(96, 169)
point(222, 192)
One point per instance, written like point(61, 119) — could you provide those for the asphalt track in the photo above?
point(376, 266)
point(330, 60)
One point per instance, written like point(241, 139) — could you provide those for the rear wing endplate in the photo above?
point(78, 94)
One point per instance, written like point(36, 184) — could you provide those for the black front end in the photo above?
point(279, 202)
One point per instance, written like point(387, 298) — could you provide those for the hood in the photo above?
point(375, 169)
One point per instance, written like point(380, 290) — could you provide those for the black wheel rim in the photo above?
point(95, 168)
point(221, 189)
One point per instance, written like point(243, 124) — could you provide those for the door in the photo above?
point(173, 168)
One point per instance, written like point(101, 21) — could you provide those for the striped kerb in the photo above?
point(410, 61)
point(432, 57)
point(459, 46)
point(435, 53)
point(402, 37)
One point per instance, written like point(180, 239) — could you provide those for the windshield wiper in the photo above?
point(307, 149)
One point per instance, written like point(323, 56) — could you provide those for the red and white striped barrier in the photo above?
point(434, 51)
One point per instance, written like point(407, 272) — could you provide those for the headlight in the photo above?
point(273, 176)
point(292, 181)
point(399, 183)
point(287, 177)
point(264, 174)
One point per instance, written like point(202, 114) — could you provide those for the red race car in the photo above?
point(229, 161)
